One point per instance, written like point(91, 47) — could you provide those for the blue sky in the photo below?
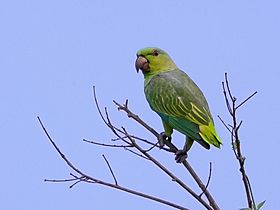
point(53, 52)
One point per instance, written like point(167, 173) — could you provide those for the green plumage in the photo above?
point(177, 99)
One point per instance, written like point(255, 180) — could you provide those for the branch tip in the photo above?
point(111, 170)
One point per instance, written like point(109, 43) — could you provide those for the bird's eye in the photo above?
point(155, 53)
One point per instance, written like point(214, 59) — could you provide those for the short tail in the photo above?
point(209, 134)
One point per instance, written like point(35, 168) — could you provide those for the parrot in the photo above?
point(178, 101)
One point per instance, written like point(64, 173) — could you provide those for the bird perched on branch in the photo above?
point(179, 102)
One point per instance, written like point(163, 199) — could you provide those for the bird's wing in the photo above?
point(177, 99)
point(173, 93)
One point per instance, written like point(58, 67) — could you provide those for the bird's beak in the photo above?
point(141, 63)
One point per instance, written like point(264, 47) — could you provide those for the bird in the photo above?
point(179, 102)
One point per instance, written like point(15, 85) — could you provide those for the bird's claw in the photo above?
point(181, 155)
point(162, 139)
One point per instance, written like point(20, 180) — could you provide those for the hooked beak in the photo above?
point(142, 63)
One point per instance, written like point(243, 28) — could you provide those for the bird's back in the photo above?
point(180, 103)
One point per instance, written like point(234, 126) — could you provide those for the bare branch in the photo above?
point(90, 179)
point(173, 149)
point(110, 168)
point(169, 173)
point(236, 145)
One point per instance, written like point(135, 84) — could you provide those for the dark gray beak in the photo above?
point(141, 63)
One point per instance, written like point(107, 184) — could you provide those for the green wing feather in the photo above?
point(182, 106)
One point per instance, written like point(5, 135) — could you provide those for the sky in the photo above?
point(53, 52)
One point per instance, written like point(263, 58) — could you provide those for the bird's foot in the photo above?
point(162, 139)
point(181, 155)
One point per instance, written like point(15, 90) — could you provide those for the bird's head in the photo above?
point(153, 60)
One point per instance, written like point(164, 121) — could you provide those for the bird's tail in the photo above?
point(209, 134)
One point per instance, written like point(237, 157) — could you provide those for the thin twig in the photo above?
point(201, 185)
point(135, 137)
point(110, 168)
point(71, 174)
point(228, 89)
point(152, 147)
point(126, 147)
point(75, 183)
point(247, 99)
point(239, 125)
point(208, 180)
point(226, 99)
point(76, 180)
point(106, 145)
point(224, 123)
point(59, 151)
point(61, 180)
point(135, 153)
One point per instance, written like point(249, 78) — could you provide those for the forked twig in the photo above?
point(236, 145)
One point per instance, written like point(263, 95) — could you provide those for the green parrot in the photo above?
point(179, 102)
